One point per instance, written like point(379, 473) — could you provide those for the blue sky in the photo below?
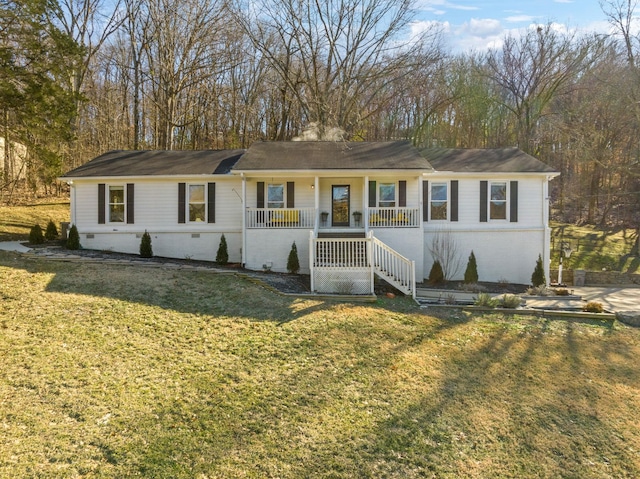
point(480, 24)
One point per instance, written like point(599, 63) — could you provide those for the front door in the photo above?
point(340, 205)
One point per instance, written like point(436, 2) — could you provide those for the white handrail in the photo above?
point(395, 268)
point(398, 217)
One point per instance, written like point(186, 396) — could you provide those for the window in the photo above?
point(275, 196)
point(387, 195)
point(116, 204)
point(197, 205)
point(439, 201)
point(498, 201)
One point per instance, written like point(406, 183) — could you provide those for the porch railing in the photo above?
point(393, 267)
point(281, 218)
point(394, 217)
point(347, 265)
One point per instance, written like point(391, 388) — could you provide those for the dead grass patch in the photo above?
point(118, 371)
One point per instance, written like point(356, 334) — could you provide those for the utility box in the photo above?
point(64, 229)
point(579, 276)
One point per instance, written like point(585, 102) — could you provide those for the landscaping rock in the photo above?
point(632, 318)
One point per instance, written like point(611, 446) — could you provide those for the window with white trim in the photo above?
point(116, 204)
point(197, 203)
point(498, 200)
point(275, 196)
point(387, 195)
point(439, 201)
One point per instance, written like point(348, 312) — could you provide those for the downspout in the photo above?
point(546, 254)
point(244, 220)
point(73, 202)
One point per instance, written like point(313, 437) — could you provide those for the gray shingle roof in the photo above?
point(157, 163)
point(491, 160)
point(329, 155)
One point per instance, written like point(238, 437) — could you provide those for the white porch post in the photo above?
point(244, 220)
point(365, 202)
point(316, 183)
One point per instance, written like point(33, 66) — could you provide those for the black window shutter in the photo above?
point(182, 192)
point(290, 194)
point(101, 204)
point(484, 188)
point(130, 207)
point(402, 193)
point(513, 213)
point(425, 200)
point(211, 202)
point(372, 194)
point(454, 200)
point(260, 195)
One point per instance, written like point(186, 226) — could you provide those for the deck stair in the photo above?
point(339, 256)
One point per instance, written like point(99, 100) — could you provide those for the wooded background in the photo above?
point(80, 77)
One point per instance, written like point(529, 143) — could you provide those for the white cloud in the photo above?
point(439, 7)
point(520, 18)
point(482, 28)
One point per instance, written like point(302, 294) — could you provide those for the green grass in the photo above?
point(120, 371)
point(595, 249)
point(16, 221)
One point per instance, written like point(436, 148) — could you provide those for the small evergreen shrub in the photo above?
point(222, 256)
point(510, 301)
point(436, 275)
point(146, 251)
point(471, 273)
point(562, 292)
point(35, 235)
point(73, 240)
point(52, 232)
point(537, 278)
point(293, 263)
point(593, 307)
point(486, 301)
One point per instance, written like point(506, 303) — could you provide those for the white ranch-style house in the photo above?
point(354, 209)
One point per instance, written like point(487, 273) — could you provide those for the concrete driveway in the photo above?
point(13, 246)
point(616, 299)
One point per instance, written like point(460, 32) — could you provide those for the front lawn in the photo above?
point(112, 371)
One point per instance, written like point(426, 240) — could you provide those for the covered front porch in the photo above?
point(334, 205)
point(281, 211)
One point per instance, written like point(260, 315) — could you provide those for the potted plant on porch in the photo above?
point(323, 217)
point(357, 217)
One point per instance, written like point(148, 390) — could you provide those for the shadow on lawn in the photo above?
point(202, 293)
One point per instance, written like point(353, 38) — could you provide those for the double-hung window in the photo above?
point(197, 205)
point(116, 204)
point(387, 195)
point(275, 196)
point(498, 200)
point(439, 201)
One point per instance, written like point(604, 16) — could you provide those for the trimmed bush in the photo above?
point(537, 278)
point(73, 240)
point(293, 263)
point(593, 307)
point(52, 232)
point(35, 235)
point(222, 256)
point(510, 301)
point(486, 301)
point(146, 251)
point(436, 275)
point(471, 273)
